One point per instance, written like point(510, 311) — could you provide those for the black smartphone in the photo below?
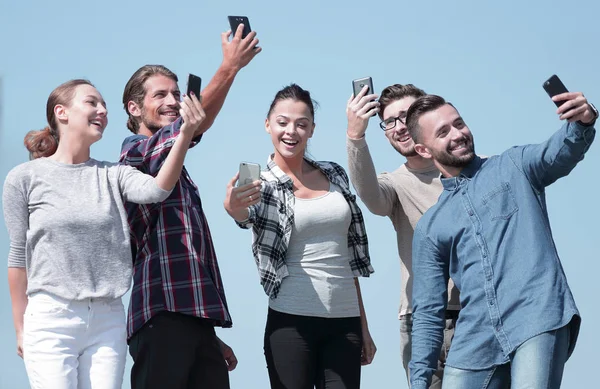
point(235, 21)
point(554, 86)
point(194, 84)
point(360, 83)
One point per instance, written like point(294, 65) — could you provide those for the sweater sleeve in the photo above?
point(16, 217)
point(140, 188)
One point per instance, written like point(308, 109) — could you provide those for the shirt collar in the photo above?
point(284, 179)
point(467, 173)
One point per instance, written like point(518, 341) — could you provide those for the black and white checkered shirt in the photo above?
point(272, 220)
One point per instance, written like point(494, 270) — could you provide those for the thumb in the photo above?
point(233, 180)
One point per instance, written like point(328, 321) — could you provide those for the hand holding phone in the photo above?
point(194, 85)
point(235, 21)
point(249, 172)
point(359, 84)
point(554, 86)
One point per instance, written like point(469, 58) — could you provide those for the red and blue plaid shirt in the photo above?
point(174, 262)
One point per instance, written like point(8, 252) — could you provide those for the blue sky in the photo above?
point(488, 58)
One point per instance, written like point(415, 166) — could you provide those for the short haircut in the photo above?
point(397, 92)
point(420, 107)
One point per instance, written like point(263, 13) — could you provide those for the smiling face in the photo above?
point(398, 136)
point(445, 138)
point(85, 116)
point(160, 106)
point(290, 125)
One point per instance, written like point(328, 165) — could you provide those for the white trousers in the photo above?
point(74, 344)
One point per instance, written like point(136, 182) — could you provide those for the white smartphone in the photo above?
point(249, 172)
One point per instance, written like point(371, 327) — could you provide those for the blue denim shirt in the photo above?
point(490, 232)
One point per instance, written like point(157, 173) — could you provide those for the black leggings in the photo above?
point(305, 352)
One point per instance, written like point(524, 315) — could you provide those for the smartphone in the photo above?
point(194, 84)
point(249, 172)
point(554, 86)
point(360, 83)
point(235, 21)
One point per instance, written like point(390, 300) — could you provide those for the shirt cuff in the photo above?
point(418, 385)
point(356, 143)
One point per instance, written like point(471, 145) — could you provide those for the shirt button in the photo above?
point(470, 213)
point(492, 303)
point(464, 192)
point(478, 233)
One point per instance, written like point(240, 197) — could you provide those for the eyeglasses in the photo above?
point(390, 123)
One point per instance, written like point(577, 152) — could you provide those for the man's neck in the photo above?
point(145, 131)
point(417, 162)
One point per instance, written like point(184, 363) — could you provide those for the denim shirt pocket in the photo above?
point(500, 202)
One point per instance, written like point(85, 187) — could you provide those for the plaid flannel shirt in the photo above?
point(272, 220)
point(174, 262)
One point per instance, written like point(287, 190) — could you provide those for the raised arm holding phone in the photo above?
point(490, 233)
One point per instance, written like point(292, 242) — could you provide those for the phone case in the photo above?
point(249, 172)
point(554, 86)
point(358, 84)
point(194, 85)
point(235, 21)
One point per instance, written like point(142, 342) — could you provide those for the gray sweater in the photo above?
point(68, 227)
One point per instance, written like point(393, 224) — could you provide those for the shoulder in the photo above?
point(131, 141)
point(23, 171)
point(332, 168)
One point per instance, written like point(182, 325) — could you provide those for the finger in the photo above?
point(250, 37)
point(368, 98)
point(246, 194)
point(368, 107)
point(257, 50)
point(574, 114)
point(225, 36)
point(566, 96)
point(232, 363)
point(253, 43)
point(192, 109)
point(184, 113)
point(239, 32)
point(251, 186)
point(232, 182)
point(350, 101)
point(573, 103)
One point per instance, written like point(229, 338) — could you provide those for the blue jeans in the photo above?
point(537, 364)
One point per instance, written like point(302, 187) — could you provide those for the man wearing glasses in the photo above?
point(403, 195)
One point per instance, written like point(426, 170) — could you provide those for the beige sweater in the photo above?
point(404, 196)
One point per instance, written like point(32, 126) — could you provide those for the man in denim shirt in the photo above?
point(490, 232)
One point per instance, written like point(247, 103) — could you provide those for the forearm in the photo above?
point(364, 178)
point(170, 171)
point(17, 283)
point(214, 95)
point(363, 315)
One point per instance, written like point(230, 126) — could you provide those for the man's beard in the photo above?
point(446, 158)
point(405, 153)
point(150, 123)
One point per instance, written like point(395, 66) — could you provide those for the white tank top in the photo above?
point(320, 282)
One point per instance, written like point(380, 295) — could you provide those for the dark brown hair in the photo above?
point(294, 92)
point(397, 92)
point(421, 106)
point(43, 143)
point(135, 90)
